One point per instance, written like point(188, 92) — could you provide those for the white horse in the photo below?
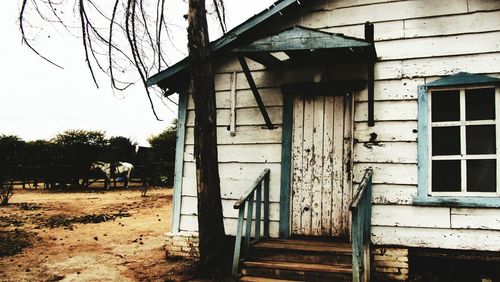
point(115, 170)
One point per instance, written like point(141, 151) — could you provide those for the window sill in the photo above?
point(462, 202)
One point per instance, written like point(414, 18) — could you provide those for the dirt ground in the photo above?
point(114, 235)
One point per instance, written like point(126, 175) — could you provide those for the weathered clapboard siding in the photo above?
point(417, 42)
point(390, 90)
point(244, 116)
point(475, 218)
point(385, 110)
point(390, 194)
point(380, 12)
point(245, 98)
point(189, 207)
point(245, 134)
point(256, 153)
point(386, 152)
point(467, 239)
point(385, 131)
point(425, 27)
point(190, 223)
point(411, 216)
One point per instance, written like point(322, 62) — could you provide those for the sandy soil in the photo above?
point(115, 235)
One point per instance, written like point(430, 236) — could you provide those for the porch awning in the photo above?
point(301, 45)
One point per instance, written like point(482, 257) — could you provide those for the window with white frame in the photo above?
point(464, 142)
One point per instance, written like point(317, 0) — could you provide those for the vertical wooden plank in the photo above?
point(258, 208)
point(297, 149)
point(423, 141)
point(179, 161)
point(305, 208)
point(248, 230)
point(237, 242)
point(286, 160)
point(317, 165)
point(326, 193)
point(338, 151)
point(267, 179)
point(346, 166)
point(232, 115)
point(463, 150)
point(497, 121)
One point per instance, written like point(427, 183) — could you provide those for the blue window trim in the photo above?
point(423, 198)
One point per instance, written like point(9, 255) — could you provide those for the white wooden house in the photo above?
point(315, 94)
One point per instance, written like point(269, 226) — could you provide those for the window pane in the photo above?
point(480, 139)
point(446, 176)
point(446, 105)
point(481, 176)
point(480, 104)
point(445, 141)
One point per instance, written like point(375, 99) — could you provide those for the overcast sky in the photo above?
point(38, 100)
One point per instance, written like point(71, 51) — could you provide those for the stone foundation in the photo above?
point(181, 244)
point(390, 263)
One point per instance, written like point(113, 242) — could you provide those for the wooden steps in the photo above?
point(298, 260)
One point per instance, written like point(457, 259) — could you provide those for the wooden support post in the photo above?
point(232, 121)
point(255, 92)
point(371, 74)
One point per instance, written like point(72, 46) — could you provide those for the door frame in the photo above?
point(286, 157)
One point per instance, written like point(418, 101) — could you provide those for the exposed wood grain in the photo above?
point(483, 5)
point(347, 166)
point(465, 239)
point(410, 216)
point(299, 266)
point(389, 152)
point(317, 165)
point(328, 167)
point(337, 200)
point(307, 167)
point(297, 173)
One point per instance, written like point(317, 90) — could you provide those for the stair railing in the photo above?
point(361, 210)
point(252, 197)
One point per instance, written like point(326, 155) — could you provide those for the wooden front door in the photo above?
point(321, 153)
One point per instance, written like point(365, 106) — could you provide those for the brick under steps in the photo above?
point(297, 260)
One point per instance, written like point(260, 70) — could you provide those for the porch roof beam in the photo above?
point(255, 92)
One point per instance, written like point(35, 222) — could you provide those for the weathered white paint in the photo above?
point(190, 223)
point(383, 12)
point(445, 238)
point(390, 90)
point(246, 116)
point(475, 218)
point(383, 131)
point(387, 173)
point(382, 30)
point(388, 110)
point(245, 98)
point(483, 5)
point(246, 135)
point(257, 153)
point(386, 152)
point(390, 194)
point(318, 163)
point(411, 216)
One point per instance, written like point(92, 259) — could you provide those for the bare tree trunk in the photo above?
point(210, 218)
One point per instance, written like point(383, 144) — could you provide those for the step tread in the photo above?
point(302, 245)
point(263, 279)
point(299, 266)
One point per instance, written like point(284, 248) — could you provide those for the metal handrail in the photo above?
point(252, 196)
point(361, 228)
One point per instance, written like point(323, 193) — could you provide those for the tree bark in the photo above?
point(210, 218)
